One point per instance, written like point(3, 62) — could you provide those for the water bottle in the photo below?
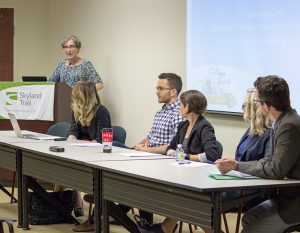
point(179, 156)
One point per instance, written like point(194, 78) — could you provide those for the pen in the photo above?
point(182, 163)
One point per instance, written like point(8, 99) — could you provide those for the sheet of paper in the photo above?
point(45, 137)
point(240, 174)
point(88, 144)
point(140, 154)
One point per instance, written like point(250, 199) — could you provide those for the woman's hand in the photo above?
point(172, 154)
point(72, 137)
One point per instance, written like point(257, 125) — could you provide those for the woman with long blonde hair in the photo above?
point(89, 115)
point(88, 120)
point(255, 142)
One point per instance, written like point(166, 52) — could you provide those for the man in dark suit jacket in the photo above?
point(277, 214)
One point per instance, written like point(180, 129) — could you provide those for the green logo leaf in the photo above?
point(11, 96)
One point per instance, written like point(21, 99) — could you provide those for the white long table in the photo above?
point(184, 193)
point(178, 192)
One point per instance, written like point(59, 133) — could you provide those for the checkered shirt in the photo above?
point(165, 124)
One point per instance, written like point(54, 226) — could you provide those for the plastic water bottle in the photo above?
point(179, 156)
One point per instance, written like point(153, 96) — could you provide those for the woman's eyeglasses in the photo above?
point(71, 47)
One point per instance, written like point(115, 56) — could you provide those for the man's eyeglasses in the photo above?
point(259, 101)
point(71, 47)
point(159, 89)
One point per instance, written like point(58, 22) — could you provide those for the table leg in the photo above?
point(105, 214)
point(216, 197)
point(98, 199)
point(25, 202)
point(20, 199)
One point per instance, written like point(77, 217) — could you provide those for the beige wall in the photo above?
point(31, 44)
point(129, 42)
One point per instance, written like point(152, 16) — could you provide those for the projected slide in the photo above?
point(231, 43)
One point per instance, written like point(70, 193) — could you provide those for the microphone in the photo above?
point(70, 63)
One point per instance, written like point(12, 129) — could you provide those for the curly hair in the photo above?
point(71, 37)
point(84, 102)
point(253, 114)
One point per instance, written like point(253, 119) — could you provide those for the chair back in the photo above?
point(60, 129)
point(119, 134)
point(219, 148)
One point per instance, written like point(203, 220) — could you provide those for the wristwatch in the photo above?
point(187, 156)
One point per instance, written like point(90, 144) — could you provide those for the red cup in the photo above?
point(107, 138)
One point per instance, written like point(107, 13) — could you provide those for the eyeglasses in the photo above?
point(71, 47)
point(159, 89)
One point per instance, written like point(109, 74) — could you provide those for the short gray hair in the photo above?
point(71, 37)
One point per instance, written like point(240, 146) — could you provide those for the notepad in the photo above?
point(232, 175)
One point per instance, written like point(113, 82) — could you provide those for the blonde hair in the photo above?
point(84, 102)
point(253, 114)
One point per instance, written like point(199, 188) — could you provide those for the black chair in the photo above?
point(119, 134)
point(9, 222)
point(219, 148)
point(295, 228)
point(60, 129)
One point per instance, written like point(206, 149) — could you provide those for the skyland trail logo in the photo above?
point(11, 97)
point(23, 98)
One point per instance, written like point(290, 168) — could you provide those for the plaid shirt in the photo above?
point(165, 124)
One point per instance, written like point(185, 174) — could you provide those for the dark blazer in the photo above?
point(285, 162)
point(257, 148)
point(100, 121)
point(202, 139)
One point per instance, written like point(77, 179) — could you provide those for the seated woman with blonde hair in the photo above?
point(89, 115)
point(254, 144)
point(88, 120)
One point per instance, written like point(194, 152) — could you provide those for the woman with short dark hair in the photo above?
point(196, 134)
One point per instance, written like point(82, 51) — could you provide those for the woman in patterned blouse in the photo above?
point(74, 68)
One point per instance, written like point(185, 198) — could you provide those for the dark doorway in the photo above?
point(6, 43)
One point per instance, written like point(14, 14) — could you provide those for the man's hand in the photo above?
point(141, 147)
point(226, 164)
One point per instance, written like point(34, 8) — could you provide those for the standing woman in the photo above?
point(88, 120)
point(74, 68)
